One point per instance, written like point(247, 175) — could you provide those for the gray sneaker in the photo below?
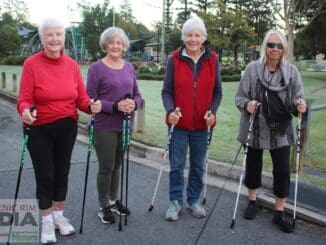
point(197, 210)
point(172, 213)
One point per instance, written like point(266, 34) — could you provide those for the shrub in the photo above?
point(13, 60)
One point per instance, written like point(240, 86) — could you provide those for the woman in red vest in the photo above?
point(192, 84)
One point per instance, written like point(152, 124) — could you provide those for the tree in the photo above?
point(10, 40)
point(95, 20)
point(258, 13)
point(126, 11)
point(18, 10)
point(295, 14)
point(203, 5)
point(227, 29)
point(312, 40)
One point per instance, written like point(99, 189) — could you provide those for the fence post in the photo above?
point(14, 82)
point(141, 117)
point(3, 80)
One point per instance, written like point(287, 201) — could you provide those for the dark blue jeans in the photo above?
point(197, 142)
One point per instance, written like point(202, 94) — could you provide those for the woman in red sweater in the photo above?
point(52, 83)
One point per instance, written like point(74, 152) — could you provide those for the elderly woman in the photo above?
point(111, 80)
point(192, 84)
point(270, 89)
point(51, 83)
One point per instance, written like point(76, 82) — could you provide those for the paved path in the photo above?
point(143, 227)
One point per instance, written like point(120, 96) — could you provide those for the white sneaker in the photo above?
point(63, 225)
point(48, 232)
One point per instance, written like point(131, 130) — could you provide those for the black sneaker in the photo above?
point(118, 208)
point(251, 210)
point(106, 215)
point(282, 223)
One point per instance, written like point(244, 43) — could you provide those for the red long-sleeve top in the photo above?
point(54, 85)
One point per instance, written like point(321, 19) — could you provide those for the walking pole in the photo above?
point(21, 165)
point(206, 161)
point(177, 109)
point(127, 164)
point(251, 122)
point(124, 124)
point(161, 169)
point(297, 166)
point(90, 148)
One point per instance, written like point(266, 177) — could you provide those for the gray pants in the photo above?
point(108, 146)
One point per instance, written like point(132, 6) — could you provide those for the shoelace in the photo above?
point(62, 221)
point(48, 227)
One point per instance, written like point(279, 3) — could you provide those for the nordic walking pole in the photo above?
point(162, 167)
point(21, 165)
point(206, 161)
point(297, 166)
point(90, 148)
point(127, 163)
point(124, 124)
point(251, 122)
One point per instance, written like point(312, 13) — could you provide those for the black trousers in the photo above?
point(281, 170)
point(50, 147)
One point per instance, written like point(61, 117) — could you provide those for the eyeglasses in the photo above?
point(275, 45)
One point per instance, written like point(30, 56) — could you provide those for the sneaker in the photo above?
point(251, 210)
point(172, 214)
point(106, 215)
point(197, 210)
point(48, 232)
point(118, 208)
point(282, 223)
point(63, 225)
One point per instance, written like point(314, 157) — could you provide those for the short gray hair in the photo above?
point(264, 44)
point(194, 24)
point(50, 22)
point(111, 32)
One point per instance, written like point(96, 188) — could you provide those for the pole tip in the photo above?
point(204, 200)
point(151, 208)
point(232, 224)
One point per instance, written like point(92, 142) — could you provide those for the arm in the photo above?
point(243, 97)
point(167, 92)
point(26, 96)
point(93, 87)
point(83, 100)
point(217, 93)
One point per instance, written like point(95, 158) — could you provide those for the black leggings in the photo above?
point(281, 170)
point(50, 146)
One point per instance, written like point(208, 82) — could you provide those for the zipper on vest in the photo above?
point(195, 105)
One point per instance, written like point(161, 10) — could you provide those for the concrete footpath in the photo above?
point(150, 227)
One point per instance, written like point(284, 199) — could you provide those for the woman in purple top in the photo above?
point(110, 80)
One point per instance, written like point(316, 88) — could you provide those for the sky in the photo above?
point(145, 11)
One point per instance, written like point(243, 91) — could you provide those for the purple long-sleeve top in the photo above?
point(110, 86)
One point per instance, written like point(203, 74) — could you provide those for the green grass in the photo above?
point(224, 144)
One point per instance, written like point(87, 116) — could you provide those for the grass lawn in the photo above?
point(224, 144)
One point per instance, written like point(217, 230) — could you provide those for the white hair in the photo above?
point(110, 33)
point(264, 44)
point(50, 22)
point(193, 24)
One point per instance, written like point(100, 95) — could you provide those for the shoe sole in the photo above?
point(49, 242)
point(171, 219)
point(104, 221)
point(117, 212)
point(65, 234)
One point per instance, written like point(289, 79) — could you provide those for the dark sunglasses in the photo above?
point(275, 45)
